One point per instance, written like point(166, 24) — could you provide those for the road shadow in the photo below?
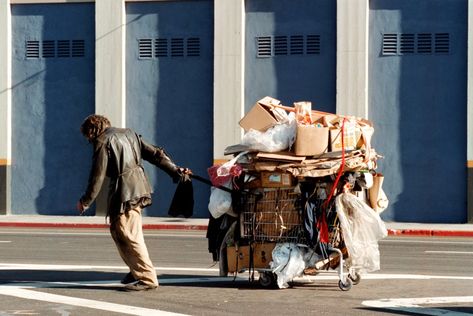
point(21, 275)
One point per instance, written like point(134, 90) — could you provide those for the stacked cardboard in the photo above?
point(317, 150)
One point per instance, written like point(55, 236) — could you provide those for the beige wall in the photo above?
point(5, 83)
point(352, 57)
point(229, 50)
point(110, 76)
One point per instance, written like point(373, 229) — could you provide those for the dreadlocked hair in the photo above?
point(94, 125)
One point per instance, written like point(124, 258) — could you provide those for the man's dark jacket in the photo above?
point(118, 153)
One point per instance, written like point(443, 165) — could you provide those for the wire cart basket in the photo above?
point(275, 215)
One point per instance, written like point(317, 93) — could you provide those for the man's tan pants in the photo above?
point(127, 232)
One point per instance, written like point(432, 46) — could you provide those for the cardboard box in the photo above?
point(350, 138)
point(311, 140)
point(276, 179)
point(238, 259)
point(262, 116)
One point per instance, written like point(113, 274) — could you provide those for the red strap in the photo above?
point(322, 225)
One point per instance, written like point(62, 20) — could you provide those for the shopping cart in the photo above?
point(271, 216)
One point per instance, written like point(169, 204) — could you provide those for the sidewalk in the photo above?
point(169, 223)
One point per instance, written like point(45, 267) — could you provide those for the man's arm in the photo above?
point(158, 157)
point(96, 177)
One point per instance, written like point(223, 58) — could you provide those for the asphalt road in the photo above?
point(77, 272)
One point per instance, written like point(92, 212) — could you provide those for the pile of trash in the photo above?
point(320, 156)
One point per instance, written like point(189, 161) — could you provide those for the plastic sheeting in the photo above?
point(362, 228)
point(278, 138)
point(288, 263)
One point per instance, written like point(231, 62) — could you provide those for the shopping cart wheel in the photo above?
point(355, 278)
point(345, 286)
point(267, 279)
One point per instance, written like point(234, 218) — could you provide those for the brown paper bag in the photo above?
point(378, 199)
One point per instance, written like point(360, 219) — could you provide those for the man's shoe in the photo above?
point(129, 278)
point(140, 286)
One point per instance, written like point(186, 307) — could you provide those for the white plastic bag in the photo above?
point(288, 263)
point(220, 202)
point(277, 138)
point(362, 228)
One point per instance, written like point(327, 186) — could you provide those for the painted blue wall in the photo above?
point(291, 77)
point(170, 98)
point(50, 97)
point(417, 102)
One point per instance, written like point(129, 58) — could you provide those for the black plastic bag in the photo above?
point(182, 203)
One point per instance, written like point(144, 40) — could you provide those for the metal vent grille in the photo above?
point(161, 47)
point(407, 44)
point(297, 45)
point(49, 49)
point(313, 44)
point(442, 43)
point(177, 47)
point(168, 47)
point(389, 44)
point(54, 49)
point(424, 43)
point(32, 49)
point(420, 43)
point(63, 48)
point(78, 48)
point(193, 47)
point(264, 46)
point(145, 48)
point(280, 45)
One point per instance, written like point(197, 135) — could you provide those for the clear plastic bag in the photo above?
point(362, 228)
point(277, 138)
point(288, 263)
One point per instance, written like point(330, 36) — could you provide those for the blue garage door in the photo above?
point(418, 73)
point(53, 90)
point(291, 52)
point(169, 89)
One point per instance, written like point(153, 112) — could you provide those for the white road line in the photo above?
point(332, 275)
point(114, 283)
point(16, 266)
point(80, 302)
point(430, 242)
point(450, 252)
point(5, 241)
point(414, 305)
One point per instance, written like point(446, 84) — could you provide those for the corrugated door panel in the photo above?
point(417, 100)
point(53, 90)
point(169, 89)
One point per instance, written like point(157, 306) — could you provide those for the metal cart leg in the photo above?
point(344, 283)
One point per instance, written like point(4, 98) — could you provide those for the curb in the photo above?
point(391, 232)
point(101, 226)
point(429, 233)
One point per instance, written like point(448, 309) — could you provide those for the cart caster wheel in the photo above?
point(267, 279)
point(355, 278)
point(345, 286)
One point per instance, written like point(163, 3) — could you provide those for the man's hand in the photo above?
point(185, 170)
point(80, 207)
